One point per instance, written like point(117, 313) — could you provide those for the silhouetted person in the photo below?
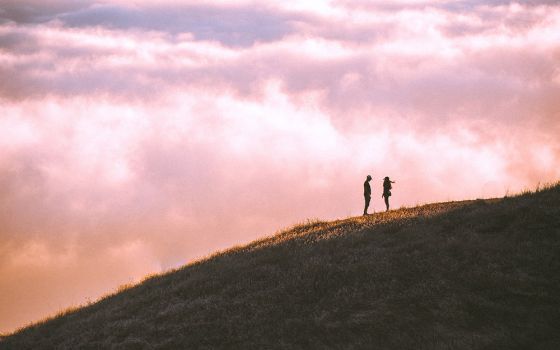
point(367, 193)
point(387, 190)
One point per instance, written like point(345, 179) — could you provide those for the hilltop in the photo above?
point(482, 274)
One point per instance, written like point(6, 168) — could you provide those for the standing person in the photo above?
point(387, 190)
point(367, 193)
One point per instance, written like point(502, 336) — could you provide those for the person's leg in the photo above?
point(387, 202)
point(367, 199)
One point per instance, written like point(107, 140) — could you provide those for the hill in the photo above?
point(481, 274)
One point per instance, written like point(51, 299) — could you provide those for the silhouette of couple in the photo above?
point(386, 192)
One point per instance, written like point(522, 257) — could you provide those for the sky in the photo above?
point(137, 136)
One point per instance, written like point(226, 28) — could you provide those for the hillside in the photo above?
point(481, 274)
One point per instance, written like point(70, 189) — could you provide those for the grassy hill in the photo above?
point(481, 274)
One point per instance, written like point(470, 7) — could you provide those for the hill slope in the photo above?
point(481, 274)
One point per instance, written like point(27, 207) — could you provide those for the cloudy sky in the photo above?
point(136, 137)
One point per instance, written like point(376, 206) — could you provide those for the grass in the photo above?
point(482, 274)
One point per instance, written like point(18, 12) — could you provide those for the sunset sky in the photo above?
point(137, 136)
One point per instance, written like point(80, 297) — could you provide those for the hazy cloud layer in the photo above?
point(137, 138)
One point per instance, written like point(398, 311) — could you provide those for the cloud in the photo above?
point(37, 11)
point(138, 138)
point(240, 25)
point(234, 26)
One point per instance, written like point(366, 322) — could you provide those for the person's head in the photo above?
point(368, 178)
point(386, 178)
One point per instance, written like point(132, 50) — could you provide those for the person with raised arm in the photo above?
point(387, 190)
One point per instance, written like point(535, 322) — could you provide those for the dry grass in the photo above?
point(481, 274)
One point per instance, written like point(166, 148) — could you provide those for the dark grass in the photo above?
point(481, 274)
